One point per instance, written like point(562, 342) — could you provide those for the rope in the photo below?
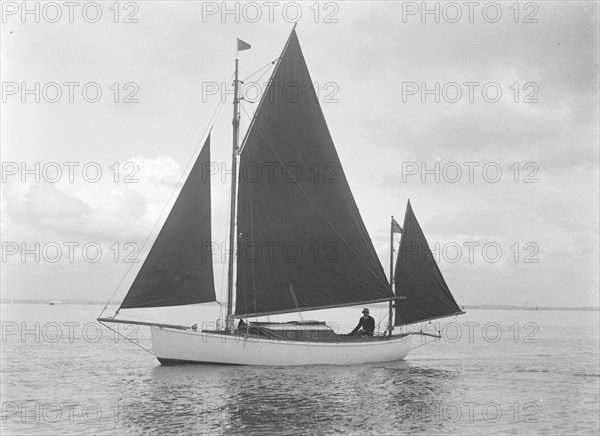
point(301, 319)
point(264, 66)
point(380, 319)
point(126, 338)
point(439, 331)
point(261, 76)
point(245, 293)
point(419, 346)
point(296, 302)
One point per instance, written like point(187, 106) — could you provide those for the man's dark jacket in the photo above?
point(367, 324)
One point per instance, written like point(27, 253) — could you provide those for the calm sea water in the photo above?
point(500, 372)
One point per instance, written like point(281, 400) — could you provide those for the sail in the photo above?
point(302, 243)
point(179, 268)
point(422, 291)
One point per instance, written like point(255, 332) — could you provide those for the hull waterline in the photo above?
point(173, 346)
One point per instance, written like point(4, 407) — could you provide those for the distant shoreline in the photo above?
point(465, 307)
point(532, 308)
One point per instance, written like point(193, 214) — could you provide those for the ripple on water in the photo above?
point(534, 390)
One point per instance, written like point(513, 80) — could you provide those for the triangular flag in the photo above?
point(396, 227)
point(241, 45)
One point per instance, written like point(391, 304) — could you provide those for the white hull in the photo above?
point(173, 346)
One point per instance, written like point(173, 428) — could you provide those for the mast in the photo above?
point(236, 124)
point(390, 324)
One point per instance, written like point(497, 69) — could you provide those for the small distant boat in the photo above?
point(55, 302)
point(331, 261)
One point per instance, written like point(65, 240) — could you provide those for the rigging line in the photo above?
point(143, 318)
point(252, 102)
point(278, 63)
point(291, 288)
point(381, 319)
point(386, 285)
point(275, 69)
point(460, 312)
point(422, 345)
point(126, 338)
point(439, 331)
point(266, 88)
point(264, 66)
point(452, 320)
point(245, 293)
point(264, 72)
point(304, 327)
point(209, 127)
point(387, 259)
point(155, 320)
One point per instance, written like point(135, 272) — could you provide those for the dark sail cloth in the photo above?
point(298, 212)
point(368, 325)
point(179, 267)
point(423, 292)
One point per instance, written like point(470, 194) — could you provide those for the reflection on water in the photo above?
point(238, 399)
point(472, 385)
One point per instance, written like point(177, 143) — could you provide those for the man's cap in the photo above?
point(365, 310)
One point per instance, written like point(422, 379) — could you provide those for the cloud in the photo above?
point(46, 202)
point(103, 212)
point(368, 54)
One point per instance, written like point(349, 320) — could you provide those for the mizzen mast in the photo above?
point(390, 320)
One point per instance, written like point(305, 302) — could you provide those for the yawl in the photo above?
point(315, 251)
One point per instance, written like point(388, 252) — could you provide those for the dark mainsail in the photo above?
point(179, 268)
point(302, 243)
point(419, 284)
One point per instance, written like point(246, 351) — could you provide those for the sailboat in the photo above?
point(301, 245)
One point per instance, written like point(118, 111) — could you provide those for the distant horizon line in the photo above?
point(464, 306)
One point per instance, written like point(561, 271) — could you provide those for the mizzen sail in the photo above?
point(302, 243)
point(179, 267)
point(422, 291)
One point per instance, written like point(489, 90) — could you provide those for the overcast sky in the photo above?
point(371, 62)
